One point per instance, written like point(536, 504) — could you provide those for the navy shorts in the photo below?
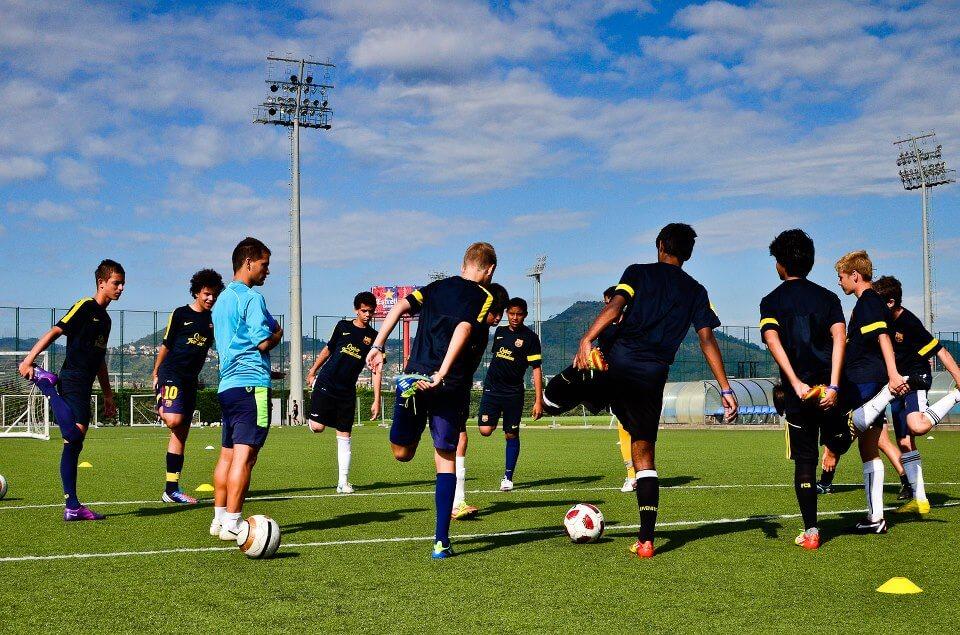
point(637, 398)
point(808, 427)
point(914, 401)
point(246, 416)
point(445, 411)
point(853, 395)
point(77, 398)
point(336, 412)
point(492, 407)
point(176, 395)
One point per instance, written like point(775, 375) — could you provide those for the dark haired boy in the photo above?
point(515, 348)
point(658, 302)
point(87, 326)
point(802, 325)
point(245, 334)
point(333, 379)
point(451, 311)
point(176, 373)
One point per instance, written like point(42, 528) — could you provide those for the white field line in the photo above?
point(375, 541)
point(536, 490)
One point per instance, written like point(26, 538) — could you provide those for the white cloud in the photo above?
point(76, 174)
point(559, 220)
point(736, 231)
point(21, 168)
point(44, 210)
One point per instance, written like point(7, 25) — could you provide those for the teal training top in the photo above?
point(240, 323)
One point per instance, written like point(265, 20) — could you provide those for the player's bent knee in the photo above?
point(403, 453)
point(315, 426)
point(486, 431)
point(511, 435)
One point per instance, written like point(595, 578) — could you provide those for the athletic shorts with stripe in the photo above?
point(902, 407)
point(246, 416)
point(810, 427)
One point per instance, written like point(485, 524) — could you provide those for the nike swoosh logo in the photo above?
point(187, 323)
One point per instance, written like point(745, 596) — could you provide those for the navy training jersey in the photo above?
point(913, 346)
point(513, 352)
point(348, 346)
point(87, 326)
point(802, 313)
point(188, 338)
point(868, 321)
point(663, 301)
point(441, 306)
point(607, 337)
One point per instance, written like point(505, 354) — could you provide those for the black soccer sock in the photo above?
point(804, 482)
point(904, 481)
point(826, 477)
point(648, 499)
point(174, 467)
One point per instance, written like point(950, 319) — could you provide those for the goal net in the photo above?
point(24, 411)
point(143, 411)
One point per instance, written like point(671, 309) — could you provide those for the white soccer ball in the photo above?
point(584, 523)
point(3, 486)
point(259, 537)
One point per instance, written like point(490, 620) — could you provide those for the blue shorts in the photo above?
point(444, 410)
point(913, 401)
point(77, 398)
point(510, 407)
point(176, 395)
point(853, 395)
point(246, 416)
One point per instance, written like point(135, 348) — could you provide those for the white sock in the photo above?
point(459, 496)
point(939, 410)
point(231, 520)
point(343, 458)
point(865, 415)
point(873, 487)
point(911, 465)
point(218, 513)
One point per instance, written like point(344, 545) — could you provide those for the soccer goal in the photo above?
point(143, 411)
point(24, 411)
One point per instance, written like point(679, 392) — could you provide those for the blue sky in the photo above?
point(571, 128)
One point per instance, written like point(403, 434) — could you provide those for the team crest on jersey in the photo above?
point(485, 418)
point(518, 343)
point(101, 342)
point(367, 341)
point(168, 403)
point(899, 338)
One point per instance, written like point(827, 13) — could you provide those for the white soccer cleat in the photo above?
point(506, 485)
point(215, 527)
point(345, 488)
point(229, 534)
point(629, 485)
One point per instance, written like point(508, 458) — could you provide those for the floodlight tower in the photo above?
point(920, 169)
point(536, 272)
point(296, 111)
point(437, 274)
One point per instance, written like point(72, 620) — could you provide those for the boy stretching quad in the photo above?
point(87, 326)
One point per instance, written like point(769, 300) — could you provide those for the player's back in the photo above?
point(662, 302)
point(913, 345)
point(864, 360)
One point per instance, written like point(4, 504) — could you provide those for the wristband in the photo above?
point(379, 348)
point(833, 388)
point(727, 392)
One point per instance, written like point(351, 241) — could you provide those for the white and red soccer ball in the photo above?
point(584, 523)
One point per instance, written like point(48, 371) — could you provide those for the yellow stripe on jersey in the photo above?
point(486, 306)
point(417, 296)
point(714, 309)
point(76, 307)
point(627, 288)
point(166, 333)
point(766, 321)
point(534, 358)
point(929, 347)
point(872, 327)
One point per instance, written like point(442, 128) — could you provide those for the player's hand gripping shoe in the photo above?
point(178, 497)
point(506, 485)
point(463, 511)
point(810, 539)
point(40, 374)
point(642, 549)
point(81, 513)
point(440, 552)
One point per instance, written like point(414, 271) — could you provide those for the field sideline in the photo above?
point(360, 563)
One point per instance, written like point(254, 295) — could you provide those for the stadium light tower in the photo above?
point(296, 100)
point(536, 272)
point(437, 274)
point(920, 169)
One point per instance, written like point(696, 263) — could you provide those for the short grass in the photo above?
point(360, 563)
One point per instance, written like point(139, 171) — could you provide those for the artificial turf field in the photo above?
point(725, 561)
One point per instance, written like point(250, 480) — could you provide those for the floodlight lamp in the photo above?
point(309, 79)
point(272, 111)
point(316, 102)
point(293, 78)
point(326, 126)
point(324, 103)
point(274, 88)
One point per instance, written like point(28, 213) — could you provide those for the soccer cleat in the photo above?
point(506, 485)
point(215, 527)
point(596, 361)
point(906, 492)
point(629, 485)
point(824, 489)
point(810, 539)
point(40, 374)
point(915, 507)
point(815, 392)
point(228, 534)
point(407, 383)
point(463, 511)
point(867, 526)
point(81, 513)
point(179, 498)
point(642, 549)
point(345, 488)
point(440, 552)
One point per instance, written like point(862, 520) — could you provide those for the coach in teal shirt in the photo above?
point(245, 334)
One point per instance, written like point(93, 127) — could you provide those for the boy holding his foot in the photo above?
point(87, 327)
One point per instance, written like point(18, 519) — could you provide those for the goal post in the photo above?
point(24, 411)
point(143, 411)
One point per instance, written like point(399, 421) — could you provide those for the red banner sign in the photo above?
point(388, 296)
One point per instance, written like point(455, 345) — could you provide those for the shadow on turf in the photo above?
point(507, 506)
point(351, 520)
point(560, 480)
point(487, 543)
point(677, 537)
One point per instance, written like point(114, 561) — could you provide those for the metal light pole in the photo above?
point(296, 112)
point(922, 169)
point(536, 272)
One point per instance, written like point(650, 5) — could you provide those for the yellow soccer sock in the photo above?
point(625, 451)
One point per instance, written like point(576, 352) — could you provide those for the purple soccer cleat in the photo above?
point(81, 513)
point(40, 374)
